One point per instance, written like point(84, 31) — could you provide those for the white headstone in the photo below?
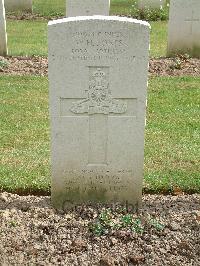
point(151, 4)
point(184, 28)
point(87, 7)
point(3, 35)
point(98, 69)
point(18, 5)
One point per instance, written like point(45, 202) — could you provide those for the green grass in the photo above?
point(49, 7)
point(27, 37)
point(24, 134)
point(171, 151)
point(172, 134)
point(30, 38)
point(158, 39)
point(122, 7)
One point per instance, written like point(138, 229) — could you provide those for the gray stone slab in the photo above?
point(3, 35)
point(87, 7)
point(18, 5)
point(98, 69)
point(184, 28)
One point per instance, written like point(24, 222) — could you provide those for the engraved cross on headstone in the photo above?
point(192, 20)
point(99, 105)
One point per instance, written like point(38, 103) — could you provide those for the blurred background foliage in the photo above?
point(57, 8)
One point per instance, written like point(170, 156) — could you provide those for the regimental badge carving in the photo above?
point(99, 99)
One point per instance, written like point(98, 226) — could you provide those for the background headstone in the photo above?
point(151, 4)
point(18, 5)
point(184, 28)
point(3, 35)
point(87, 7)
point(98, 69)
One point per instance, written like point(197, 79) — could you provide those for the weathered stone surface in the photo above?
point(3, 35)
point(87, 7)
point(98, 69)
point(184, 28)
point(18, 5)
point(151, 4)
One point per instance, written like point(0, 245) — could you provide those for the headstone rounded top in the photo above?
point(106, 18)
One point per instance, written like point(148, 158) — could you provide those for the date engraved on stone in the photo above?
point(99, 98)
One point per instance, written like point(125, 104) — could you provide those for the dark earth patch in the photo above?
point(36, 65)
point(166, 232)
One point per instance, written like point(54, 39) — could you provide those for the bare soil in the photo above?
point(179, 66)
point(33, 233)
point(29, 16)
point(36, 65)
point(22, 65)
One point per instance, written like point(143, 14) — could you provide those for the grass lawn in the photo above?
point(30, 37)
point(158, 41)
point(24, 134)
point(49, 7)
point(171, 151)
point(27, 37)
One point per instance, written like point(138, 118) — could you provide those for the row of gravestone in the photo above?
point(93, 7)
point(98, 68)
point(26, 5)
point(184, 22)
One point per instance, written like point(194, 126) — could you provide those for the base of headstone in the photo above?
point(94, 198)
